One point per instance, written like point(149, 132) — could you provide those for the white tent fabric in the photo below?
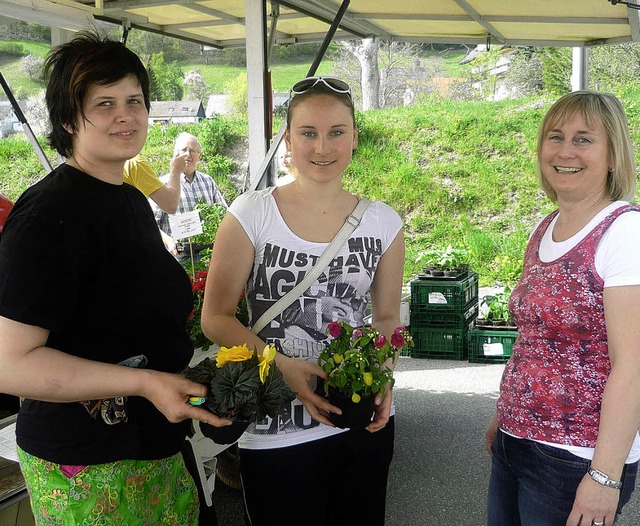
point(221, 23)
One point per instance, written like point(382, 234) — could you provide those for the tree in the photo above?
point(613, 67)
point(389, 73)
point(32, 66)
point(556, 70)
point(37, 114)
point(483, 72)
point(403, 74)
point(524, 75)
point(195, 86)
point(168, 78)
point(238, 91)
point(154, 88)
point(366, 51)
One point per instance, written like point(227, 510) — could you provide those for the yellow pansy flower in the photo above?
point(337, 358)
point(237, 353)
point(367, 378)
point(267, 356)
point(355, 398)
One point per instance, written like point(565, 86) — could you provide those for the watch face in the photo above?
point(602, 478)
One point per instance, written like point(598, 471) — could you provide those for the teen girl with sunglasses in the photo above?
point(299, 468)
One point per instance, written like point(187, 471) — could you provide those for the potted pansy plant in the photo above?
point(359, 364)
point(244, 386)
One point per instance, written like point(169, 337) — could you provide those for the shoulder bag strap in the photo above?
point(329, 253)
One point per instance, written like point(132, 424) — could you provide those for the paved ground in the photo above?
point(440, 469)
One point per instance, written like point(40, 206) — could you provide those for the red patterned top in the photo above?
point(552, 386)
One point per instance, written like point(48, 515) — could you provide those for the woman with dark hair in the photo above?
point(267, 243)
point(564, 443)
point(93, 312)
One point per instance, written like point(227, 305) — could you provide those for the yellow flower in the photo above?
point(337, 358)
point(267, 356)
point(355, 398)
point(367, 378)
point(237, 353)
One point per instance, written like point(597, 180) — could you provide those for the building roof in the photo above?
point(176, 109)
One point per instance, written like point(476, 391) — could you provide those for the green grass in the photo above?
point(39, 49)
point(282, 76)
point(460, 173)
point(451, 57)
point(19, 82)
point(457, 172)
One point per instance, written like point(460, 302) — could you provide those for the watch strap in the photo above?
point(603, 479)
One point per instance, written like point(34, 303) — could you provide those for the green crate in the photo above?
point(487, 346)
point(443, 343)
point(431, 294)
point(425, 317)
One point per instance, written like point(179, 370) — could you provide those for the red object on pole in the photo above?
point(5, 207)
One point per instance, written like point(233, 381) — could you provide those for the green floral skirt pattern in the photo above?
point(124, 493)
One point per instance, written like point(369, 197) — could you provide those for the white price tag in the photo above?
point(437, 297)
point(185, 225)
point(492, 349)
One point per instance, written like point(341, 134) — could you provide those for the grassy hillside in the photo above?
point(460, 173)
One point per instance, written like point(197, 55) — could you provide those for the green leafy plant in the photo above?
point(210, 216)
point(498, 306)
point(194, 322)
point(194, 328)
point(445, 258)
point(507, 267)
point(358, 360)
point(243, 385)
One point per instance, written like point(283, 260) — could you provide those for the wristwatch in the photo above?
point(603, 479)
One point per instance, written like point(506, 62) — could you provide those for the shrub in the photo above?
point(11, 49)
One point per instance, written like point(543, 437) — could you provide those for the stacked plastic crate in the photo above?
point(491, 346)
point(493, 337)
point(442, 313)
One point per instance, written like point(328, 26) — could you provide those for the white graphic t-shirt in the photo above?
point(282, 259)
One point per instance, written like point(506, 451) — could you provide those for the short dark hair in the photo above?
point(72, 67)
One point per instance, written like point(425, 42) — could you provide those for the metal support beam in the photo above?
point(580, 69)
point(25, 126)
point(255, 21)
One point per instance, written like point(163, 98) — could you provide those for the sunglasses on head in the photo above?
point(332, 83)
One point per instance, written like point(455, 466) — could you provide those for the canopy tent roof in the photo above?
point(221, 23)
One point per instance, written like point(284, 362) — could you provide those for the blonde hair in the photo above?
point(596, 108)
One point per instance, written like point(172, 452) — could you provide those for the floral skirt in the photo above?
point(124, 493)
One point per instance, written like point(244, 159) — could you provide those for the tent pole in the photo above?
point(25, 125)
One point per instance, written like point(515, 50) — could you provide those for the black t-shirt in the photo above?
point(84, 259)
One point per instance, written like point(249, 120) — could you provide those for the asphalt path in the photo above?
point(440, 469)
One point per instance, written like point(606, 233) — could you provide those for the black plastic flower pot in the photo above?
point(354, 416)
point(224, 435)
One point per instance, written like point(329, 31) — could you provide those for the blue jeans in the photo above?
point(533, 484)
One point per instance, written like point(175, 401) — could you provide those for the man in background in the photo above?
point(194, 185)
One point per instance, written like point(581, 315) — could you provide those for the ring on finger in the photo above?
point(598, 523)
